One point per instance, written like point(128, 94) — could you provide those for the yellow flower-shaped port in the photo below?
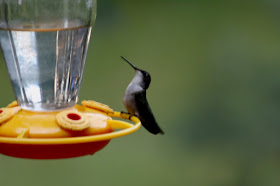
point(13, 104)
point(6, 114)
point(72, 120)
point(98, 106)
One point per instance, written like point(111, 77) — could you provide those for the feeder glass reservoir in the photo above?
point(44, 43)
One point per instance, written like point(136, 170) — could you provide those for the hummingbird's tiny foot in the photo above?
point(126, 115)
point(122, 112)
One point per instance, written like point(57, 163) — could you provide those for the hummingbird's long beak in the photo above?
point(130, 63)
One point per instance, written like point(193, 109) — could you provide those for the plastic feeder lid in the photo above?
point(81, 130)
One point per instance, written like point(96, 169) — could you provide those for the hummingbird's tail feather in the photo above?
point(152, 127)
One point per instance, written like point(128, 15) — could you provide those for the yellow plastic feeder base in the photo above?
point(78, 131)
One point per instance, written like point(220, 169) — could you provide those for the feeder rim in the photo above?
point(126, 128)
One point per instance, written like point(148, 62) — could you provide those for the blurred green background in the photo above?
point(215, 92)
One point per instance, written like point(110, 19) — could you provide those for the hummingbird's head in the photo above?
point(142, 77)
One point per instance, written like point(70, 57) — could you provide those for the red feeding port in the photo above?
point(74, 116)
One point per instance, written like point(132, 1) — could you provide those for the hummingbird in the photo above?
point(136, 102)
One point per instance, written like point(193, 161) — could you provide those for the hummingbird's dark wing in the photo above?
point(145, 113)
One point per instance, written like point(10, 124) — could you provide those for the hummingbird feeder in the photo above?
point(44, 44)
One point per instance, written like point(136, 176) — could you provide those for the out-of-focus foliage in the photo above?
point(215, 92)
